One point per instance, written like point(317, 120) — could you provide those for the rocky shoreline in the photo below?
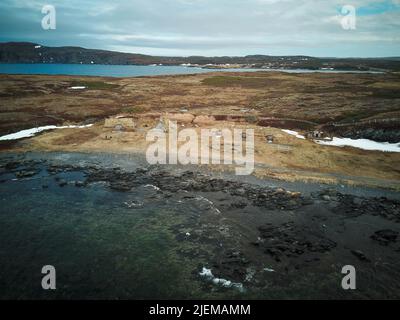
point(380, 130)
point(273, 241)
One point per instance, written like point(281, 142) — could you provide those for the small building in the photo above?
point(119, 127)
point(120, 123)
point(315, 134)
point(161, 126)
point(270, 138)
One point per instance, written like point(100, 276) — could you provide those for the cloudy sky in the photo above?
point(210, 27)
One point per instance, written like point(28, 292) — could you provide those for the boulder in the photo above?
point(180, 118)
point(204, 120)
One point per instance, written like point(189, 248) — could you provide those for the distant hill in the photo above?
point(27, 52)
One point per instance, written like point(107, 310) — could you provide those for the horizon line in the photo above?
point(205, 56)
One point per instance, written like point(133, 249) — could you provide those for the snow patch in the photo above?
point(294, 133)
point(31, 132)
point(364, 144)
point(77, 88)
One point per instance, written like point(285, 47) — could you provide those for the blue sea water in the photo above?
point(103, 70)
point(129, 70)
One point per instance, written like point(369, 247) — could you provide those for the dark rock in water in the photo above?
point(12, 165)
point(26, 174)
point(53, 169)
point(79, 184)
point(62, 182)
point(120, 186)
point(307, 201)
point(289, 240)
point(269, 198)
point(232, 264)
point(278, 199)
point(239, 204)
point(360, 255)
point(45, 186)
point(239, 192)
point(384, 237)
point(352, 206)
point(291, 205)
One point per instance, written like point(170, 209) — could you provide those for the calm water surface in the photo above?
point(103, 70)
point(126, 70)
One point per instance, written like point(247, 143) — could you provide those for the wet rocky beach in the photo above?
point(123, 229)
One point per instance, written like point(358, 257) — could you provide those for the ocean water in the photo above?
point(127, 70)
point(103, 70)
point(149, 242)
point(104, 244)
point(100, 247)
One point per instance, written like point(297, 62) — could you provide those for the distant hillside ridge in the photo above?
point(27, 52)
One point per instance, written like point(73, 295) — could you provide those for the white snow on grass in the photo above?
point(31, 132)
point(364, 144)
point(293, 133)
point(208, 275)
point(77, 88)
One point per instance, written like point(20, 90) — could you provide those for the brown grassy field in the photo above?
point(265, 101)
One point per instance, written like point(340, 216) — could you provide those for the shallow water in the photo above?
point(101, 248)
point(145, 243)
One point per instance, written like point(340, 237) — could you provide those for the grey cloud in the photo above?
point(222, 27)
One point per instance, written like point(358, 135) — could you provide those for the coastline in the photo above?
point(130, 161)
point(307, 210)
point(253, 234)
point(239, 100)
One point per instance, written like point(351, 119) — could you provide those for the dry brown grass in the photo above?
point(29, 101)
point(76, 137)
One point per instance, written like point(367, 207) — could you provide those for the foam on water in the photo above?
point(208, 275)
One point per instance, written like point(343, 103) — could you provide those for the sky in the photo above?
point(210, 27)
